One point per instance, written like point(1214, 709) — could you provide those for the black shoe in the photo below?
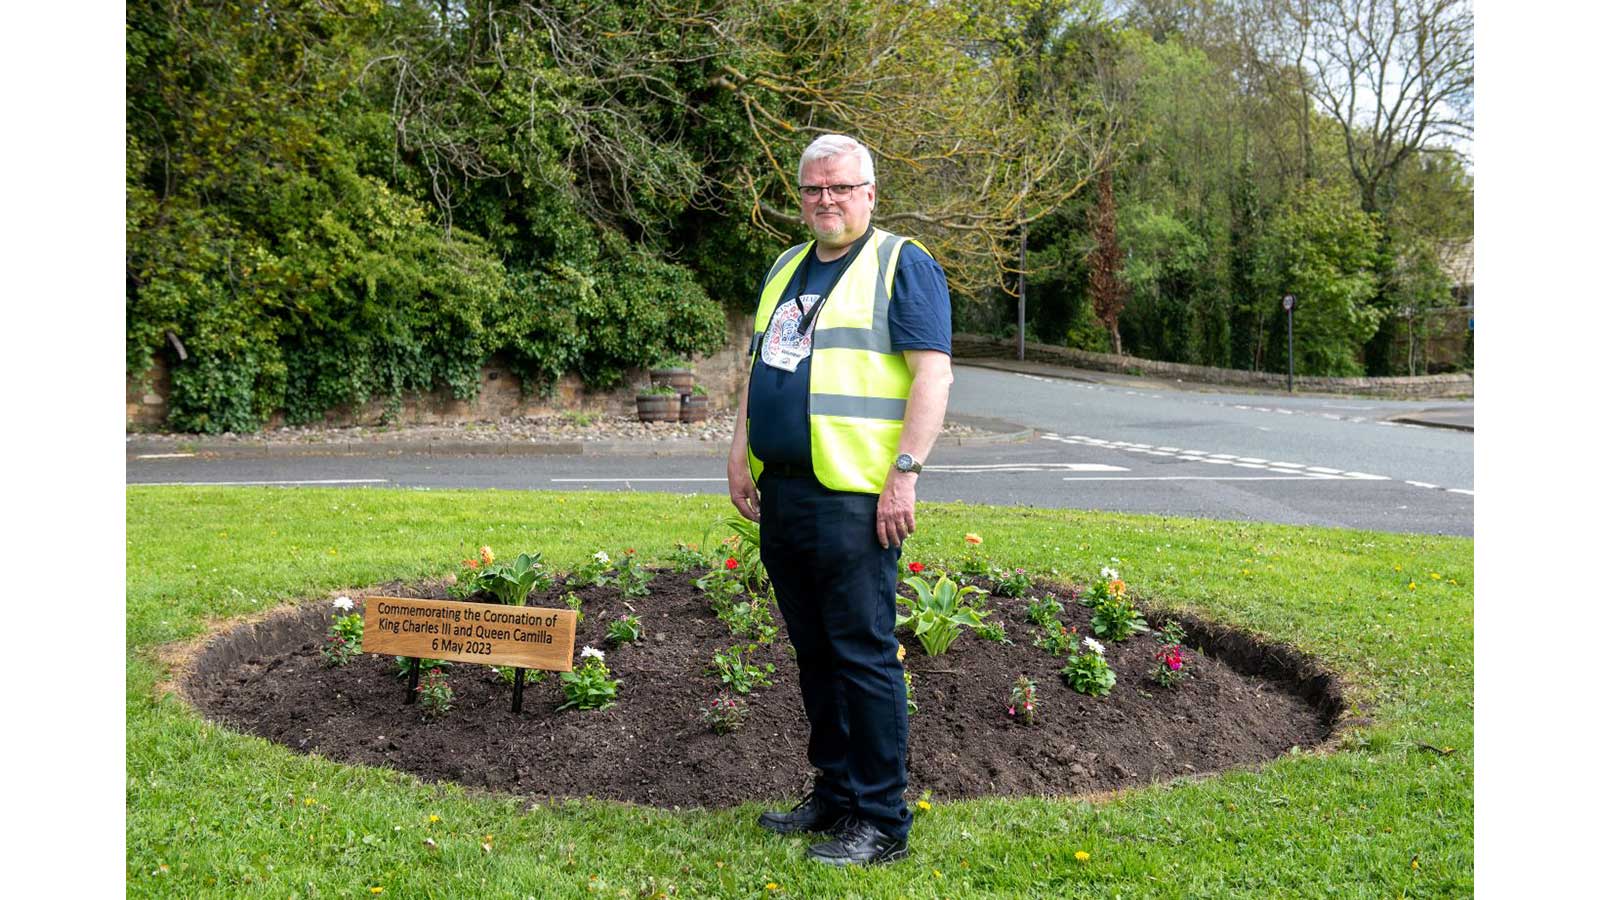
point(811, 814)
point(859, 843)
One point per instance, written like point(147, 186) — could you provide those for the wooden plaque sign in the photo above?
point(524, 636)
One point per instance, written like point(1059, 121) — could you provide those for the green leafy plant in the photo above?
point(1044, 610)
point(590, 685)
point(434, 693)
point(659, 390)
point(992, 630)
point(1115, 617)
point(751, 619)
point(722, 586)
point(575, 603)
point(744, 545)
point(1087, 671)
point(596, 570)
point(938, 613)
point(465, 581)
point(972, 564)
point(343, 643)
point(1056, 639)
point(1024, 701)
point(737, 672)
point(685, 558)
point(404, 664)
point(911, 693)
point(510, 583)
point(1011, 582)
point(632, 577)
point(624, 630)
point(1171, 663)
point(508, 674)
point(725, 714)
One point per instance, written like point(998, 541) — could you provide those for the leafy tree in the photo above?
point(1321, 248)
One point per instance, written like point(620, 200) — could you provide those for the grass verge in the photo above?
point(211, 812)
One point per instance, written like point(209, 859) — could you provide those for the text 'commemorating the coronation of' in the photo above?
point(524, 636)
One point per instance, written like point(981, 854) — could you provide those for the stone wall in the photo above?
point(499, 393)
point(1421, 386)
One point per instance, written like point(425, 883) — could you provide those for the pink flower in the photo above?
point(1011, 710)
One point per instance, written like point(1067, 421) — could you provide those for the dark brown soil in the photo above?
point(1243, 703)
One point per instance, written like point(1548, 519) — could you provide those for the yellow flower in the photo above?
point(1412, 586)
point(900, 652)
point(376, 890)
point(311, 801)
point(772, 885)
point(973, 539)
point(937, 873)
point(924, 805)
point(432, 818)
point(486, 553)
point(1435, 576)
point(1081, 856)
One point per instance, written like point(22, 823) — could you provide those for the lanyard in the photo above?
point(799, 281)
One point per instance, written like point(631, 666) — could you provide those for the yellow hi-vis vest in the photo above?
point(859, 383)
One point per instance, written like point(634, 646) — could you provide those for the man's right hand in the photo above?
point(742, 489)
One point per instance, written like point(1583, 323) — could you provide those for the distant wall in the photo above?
point(1421, 386)
point(499, 393)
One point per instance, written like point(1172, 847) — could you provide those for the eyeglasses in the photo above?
point(835, 191)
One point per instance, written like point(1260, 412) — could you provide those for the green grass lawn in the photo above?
point(211, 812)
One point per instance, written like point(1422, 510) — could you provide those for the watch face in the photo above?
point(904, 462)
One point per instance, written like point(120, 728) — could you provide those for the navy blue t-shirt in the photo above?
point(919, 319)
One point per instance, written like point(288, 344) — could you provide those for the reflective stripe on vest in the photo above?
point(859, 383)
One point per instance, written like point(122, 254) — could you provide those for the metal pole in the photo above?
point(1022, 296)
point(1288, 307)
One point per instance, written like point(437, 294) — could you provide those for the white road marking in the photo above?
point(1197, 478)
point(1223, 456)
point(1460, 491)
point(1251, 459)
point(624, 480)
point(253, 483)
point(1421, 484)
point(1323, 470)
point(1332, 406)
point(1064, 467)
point(164, 456)
point(1289, 465)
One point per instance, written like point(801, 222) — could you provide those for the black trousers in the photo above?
point(836, 590)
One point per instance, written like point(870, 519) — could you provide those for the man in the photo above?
point(850, 373)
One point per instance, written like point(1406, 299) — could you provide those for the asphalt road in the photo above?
point(1288, 459)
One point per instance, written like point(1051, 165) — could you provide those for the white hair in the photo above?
point(831, 145)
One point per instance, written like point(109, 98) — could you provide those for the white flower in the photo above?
point(600, 556)
point(590, 651)
point(344, 603)
point(1095, 645)
point(1109, 572)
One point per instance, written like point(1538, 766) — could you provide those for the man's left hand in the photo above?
point(897, 509)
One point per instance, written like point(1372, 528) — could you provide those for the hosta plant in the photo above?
point(938, 612)
point(510, 583)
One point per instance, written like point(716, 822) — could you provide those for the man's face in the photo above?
point(835, 222)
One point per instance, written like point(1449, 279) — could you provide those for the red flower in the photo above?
point(916, 568)
point(731, 564)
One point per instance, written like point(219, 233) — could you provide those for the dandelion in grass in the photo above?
point(1081, 856)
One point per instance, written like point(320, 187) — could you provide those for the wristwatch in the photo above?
point(905, 462)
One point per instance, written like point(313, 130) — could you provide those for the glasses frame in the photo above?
point(806, 191)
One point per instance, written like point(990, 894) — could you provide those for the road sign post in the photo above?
point(1288, 307)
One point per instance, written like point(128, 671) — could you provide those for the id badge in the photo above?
point(785, 346)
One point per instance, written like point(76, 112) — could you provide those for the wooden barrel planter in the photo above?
point(681, 380)
point(658, 407)
point(695, 409)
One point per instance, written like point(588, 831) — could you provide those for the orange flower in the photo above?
point(1118, 587)
point(973, 539)
point(470, 563)
point(487, 554)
